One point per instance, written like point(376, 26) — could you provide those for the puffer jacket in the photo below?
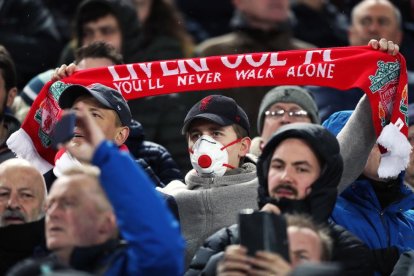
point(154, 155)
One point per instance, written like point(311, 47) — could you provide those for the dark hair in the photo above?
point(8, 69)
point(164, 18)
point(98, 49)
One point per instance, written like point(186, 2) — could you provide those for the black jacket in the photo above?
point(18, 242)
point(154, 158)
point(27, 29)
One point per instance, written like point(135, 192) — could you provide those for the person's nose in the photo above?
point(287, 175)
point(13, 202)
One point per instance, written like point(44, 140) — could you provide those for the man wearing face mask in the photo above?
point(223, 180)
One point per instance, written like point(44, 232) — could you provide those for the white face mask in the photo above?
point(209, 157)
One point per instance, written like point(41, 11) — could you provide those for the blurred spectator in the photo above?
point(111, 21)
point(63, 12)
point(8, 91)
point(199, 17)
point(27, 29)
point(22, 205)
point(405, 265)
point(163, 31)
point(320, 23)
point(223, 180)
point(371, 19)
point(376, 210)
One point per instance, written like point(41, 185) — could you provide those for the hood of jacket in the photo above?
point(321, 200)
point(124, 11)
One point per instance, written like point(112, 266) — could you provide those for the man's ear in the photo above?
point(108, 228)
point(11, 94)
point(245, 146)
point(121, 135)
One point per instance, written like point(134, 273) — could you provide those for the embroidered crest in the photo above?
point(48, 112)
point(205, 102)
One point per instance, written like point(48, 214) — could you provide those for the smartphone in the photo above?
point(64, 129)
point(263, 231)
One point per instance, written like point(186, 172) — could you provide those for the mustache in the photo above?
point(12, 213)
point(285, 186)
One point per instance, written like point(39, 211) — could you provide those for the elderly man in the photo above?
point(22, 205)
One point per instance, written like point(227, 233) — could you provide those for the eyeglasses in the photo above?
point(291, 113)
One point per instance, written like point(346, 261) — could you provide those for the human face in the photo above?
point(304, 246)
point(374, 20)
point(273, 123)
point(87, 63)
point(143, 9)
point(105, 118)
point(264, 14)
point(22, 195)
point(293, 169)
point(104, 29)
point(225, 135)
point(72, 216)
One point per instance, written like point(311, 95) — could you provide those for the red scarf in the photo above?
point(381, 76)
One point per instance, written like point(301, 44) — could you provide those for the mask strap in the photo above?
point(228, 166)
point(232, 143)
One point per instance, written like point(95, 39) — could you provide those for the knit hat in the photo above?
point(218, 109)
point(288, 94)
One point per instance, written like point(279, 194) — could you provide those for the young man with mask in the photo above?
point(298, 172)
point(222, 181)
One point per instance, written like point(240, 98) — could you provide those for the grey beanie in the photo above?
point(288, 94)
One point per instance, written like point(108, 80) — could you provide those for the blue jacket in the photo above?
point(155, 245)
point(359, 211)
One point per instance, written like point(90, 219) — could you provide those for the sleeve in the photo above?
point(356, 141)
point(156, 246)
point(353, 255)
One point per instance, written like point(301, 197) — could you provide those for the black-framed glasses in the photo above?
point(291, 113)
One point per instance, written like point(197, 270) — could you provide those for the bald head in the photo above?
point(22, 192)
point(374, 19)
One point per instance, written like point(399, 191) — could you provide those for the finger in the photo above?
point(396, 49)
point(70, 69)
point(229, 266)
point(383, 44)
point(390, 47)
point(374, 44)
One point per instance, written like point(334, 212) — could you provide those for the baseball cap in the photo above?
point(218, 109)
point(105, 95)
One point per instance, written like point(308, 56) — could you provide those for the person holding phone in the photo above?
point(308, 242)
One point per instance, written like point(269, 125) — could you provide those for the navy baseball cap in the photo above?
point(218, 109)
point(105, 95)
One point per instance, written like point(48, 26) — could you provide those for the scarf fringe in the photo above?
point(397, 157)
point(21, 144)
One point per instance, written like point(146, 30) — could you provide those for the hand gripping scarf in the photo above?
point(381, 76)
